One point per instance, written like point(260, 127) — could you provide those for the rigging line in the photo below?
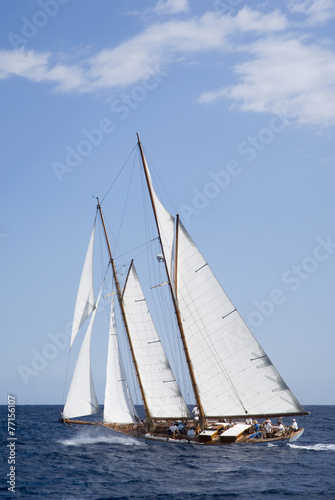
point(124, 207)
point(136, 248)
point(115, 179)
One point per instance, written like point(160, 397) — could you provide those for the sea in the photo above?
point(56, 461)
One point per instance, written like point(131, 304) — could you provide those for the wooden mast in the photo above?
point(173, 294)
point(123, 314)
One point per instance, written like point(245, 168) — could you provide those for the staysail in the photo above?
point(85, 302)
point(162, 392)
point(118, 406)
point(81, 399)
point(235, 377)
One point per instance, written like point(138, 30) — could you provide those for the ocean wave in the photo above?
point(315, 447)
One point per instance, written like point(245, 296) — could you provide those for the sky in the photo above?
point(235, 105)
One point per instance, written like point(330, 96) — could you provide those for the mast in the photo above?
point(119, 295)
point(173, 296)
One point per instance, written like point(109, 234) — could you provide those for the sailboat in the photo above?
point(233, 381)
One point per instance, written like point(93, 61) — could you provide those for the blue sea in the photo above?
point(75, 463)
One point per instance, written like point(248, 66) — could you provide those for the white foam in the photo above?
point(84, 440)
point(315, 447)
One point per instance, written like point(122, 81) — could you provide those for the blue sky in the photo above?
point(235, 105)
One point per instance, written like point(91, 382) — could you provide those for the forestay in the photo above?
point(118, 406)
point(85, 302)
point(81, 399)
point(161, 390)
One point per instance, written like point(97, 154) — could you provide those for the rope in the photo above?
point(125, 163)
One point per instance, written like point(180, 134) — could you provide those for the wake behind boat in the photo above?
point(233, 381)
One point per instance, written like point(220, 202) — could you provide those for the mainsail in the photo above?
point(81, 399)
point(85, 302)
point(162, 392)
point(118, 406)
point(235, 377)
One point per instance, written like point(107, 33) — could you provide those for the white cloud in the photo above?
point(36, 67)
point(157, 45)
point(278, 71)
point(171, 6)
point(316, 11)
point(285, 73)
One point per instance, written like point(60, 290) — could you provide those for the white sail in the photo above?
point(165, 221)
point(161, 390)
point(234, 375)
point(81, 399)
point(118, 406)
point(85, 302)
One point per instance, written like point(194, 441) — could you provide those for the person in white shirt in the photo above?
point(268, 428)
point(172, 430)
point(294, 425)
point(195, 412)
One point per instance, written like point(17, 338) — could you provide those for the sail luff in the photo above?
point(167, 240)
point(85, 302)
point(124, 318)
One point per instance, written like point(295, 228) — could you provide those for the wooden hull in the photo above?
point(161, 437)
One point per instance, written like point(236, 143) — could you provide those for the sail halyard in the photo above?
point(167, 240)
point(124, 318)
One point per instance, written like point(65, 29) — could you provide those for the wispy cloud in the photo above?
point(171, 6)
point(126, 64)
point(279, 69)
point(285, 73)
point(314, 11)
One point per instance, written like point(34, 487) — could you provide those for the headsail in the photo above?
point(81, 399)
point(85, 302)
point(118, 407)
point(162, 392)
point(234, 375)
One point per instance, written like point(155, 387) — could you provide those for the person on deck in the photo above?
point(280, 429)
point(294, 425)
point(268, 428)
point(255, 426)
point(181, 427)
point(196, 413)
point(172, 430)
